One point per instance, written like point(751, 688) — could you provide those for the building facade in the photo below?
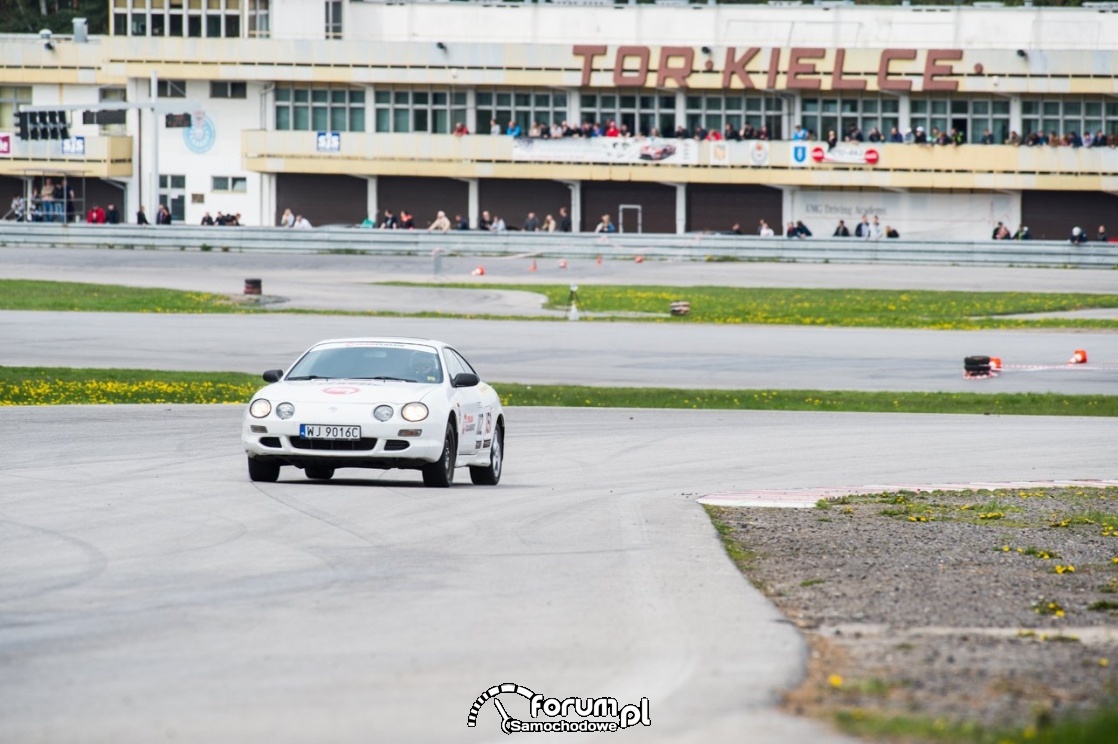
point(340, 109)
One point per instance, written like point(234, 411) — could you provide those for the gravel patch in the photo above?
point(996, 610)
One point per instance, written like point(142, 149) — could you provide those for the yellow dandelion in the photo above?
point(835, 680)
point(1104, 662)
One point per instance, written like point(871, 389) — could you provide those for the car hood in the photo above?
point(346, 392)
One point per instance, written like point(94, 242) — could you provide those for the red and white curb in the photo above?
point(802, 498)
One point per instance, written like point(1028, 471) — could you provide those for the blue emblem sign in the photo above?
point(201, 134)
point(799, 154)
point(328, 141)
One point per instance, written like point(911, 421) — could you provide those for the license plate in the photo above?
point(326, 431)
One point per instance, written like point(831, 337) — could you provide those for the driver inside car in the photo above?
point(424, 367)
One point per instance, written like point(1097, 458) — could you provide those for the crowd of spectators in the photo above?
point(488, 221)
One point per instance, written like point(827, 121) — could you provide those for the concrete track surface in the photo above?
point(150, 592)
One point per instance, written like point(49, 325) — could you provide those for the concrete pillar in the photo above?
point(680, 208)
point(372, 199)
point(473, 201)
point(576, 204)
point(1015, 117)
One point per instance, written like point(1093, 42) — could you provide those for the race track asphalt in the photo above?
point(150, 592)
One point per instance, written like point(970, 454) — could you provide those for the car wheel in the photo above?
point(319, 472)
point(490, 475)
point(264, 471)
point(976, 360)
point(440, 474)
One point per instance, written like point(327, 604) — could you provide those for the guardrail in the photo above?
point(690, 247)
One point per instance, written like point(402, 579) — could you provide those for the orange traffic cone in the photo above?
point(639, 259)
point(562, 263)
point(533, 266)
point(479, 271)
point(1079, 357)
point(995, 364)
point(599, 260)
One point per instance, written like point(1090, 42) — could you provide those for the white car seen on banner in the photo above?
point(379, 403)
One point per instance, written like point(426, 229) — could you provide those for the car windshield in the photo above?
point(369, 362)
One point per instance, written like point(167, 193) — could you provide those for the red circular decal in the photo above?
point(341, 390)
point(872, 156)
point(817, 154)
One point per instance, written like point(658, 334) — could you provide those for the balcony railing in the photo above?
point(98, 157)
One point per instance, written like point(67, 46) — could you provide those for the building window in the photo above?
point(419, 110)
point(821, 116)
point(11, 96)
point(113, 95)
point(171, 88)
point(172, 192)
point(219, 18)
point(524, 106)
point(259, 19)
point(334, 109)
point(970, 116)
point(714, 112)
point(223, 89)
point(235, 184)
point(1067, 115)
point(638, 111)
point(333, 19)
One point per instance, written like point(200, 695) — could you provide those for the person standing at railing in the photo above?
point(142, 216)
point(441, 223)
point(288, 219)
point(842, 231)
point(164, 215)
point(564, 220)
point(47, 195)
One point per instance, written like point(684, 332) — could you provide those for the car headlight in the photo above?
point(285, 410)
point(260, 408)
point(382, 413)
point(414, 412)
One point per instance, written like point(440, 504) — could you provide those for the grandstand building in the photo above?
point(339, 109)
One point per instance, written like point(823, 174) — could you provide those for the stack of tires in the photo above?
point(977, 366)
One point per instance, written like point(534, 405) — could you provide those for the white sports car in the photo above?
point(376, 403)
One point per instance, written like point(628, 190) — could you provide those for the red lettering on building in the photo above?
point(735, 67)
point(883, 80)
point(588, 53)
point(798, 68)
point(774, 68)
point(932, 69)
point(678, 74)
point(838, 82)
point(631, 78)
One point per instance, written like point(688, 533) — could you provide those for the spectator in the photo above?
point(764, 230)
point(531, 223)
point(441, 223)
point(220, 219)
point(207, 219)
point(548, 224)
point(790, 231)
point(460, 129)
point(288, 219)
point(461, 223)
point(1001, 232)
point(494, 127)
point(832, 140)
point(875, 135)
point(919, 137)
point(368, 222)
point(891, 232)
point(895, 136)
point(956, 137)
point(605, 225)
point(162, 218)
point(1023, 234)
point(842, 231)
point(390, 221)
point(799, 135)
point(112, 217)
point(514, 129)
point(1078, 237)
point(801, 230)
point(875, 229)
point(141, 216)
point(564, 220)
point(1013, 139)
point(498, 225)
point(302, 223)
point(735, 230)
point(96, 215)
point(485, 222)
point(862, 230)
point(1101, 235)
point(407, 220)
point(987, 137)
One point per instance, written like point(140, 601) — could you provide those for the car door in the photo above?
point(467, 401)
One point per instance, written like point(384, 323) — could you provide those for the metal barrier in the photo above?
point(690, 247)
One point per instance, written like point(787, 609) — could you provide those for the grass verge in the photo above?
point(27, 386)
point(726, 305)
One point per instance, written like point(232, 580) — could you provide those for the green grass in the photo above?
point(52, 386)
point(729, 305)
point(1095, 728)
point(878, 308)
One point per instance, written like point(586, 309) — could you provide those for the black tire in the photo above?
point(319, 472)
point(490, 475)
point(263, 471)
point(977, 367)
point(976, 360)
point(440, 474)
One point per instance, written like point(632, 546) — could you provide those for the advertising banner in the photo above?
point(5, 145)
point(844, 153)
point(649, 151)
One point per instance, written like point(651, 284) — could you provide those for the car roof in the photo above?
point(383, 339)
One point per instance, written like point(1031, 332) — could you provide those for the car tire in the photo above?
point(976, 360)
point(490, 475)
point(263, 471)
point(440, 474)
point(319, 472)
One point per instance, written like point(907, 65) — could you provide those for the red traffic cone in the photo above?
point(562, 263)
point(599, 260)
point(1079, 357)
point(639, 259)
point(533, 266)
point(479, 271)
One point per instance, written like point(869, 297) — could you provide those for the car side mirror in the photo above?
point(465, 379)
point(273, 375)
